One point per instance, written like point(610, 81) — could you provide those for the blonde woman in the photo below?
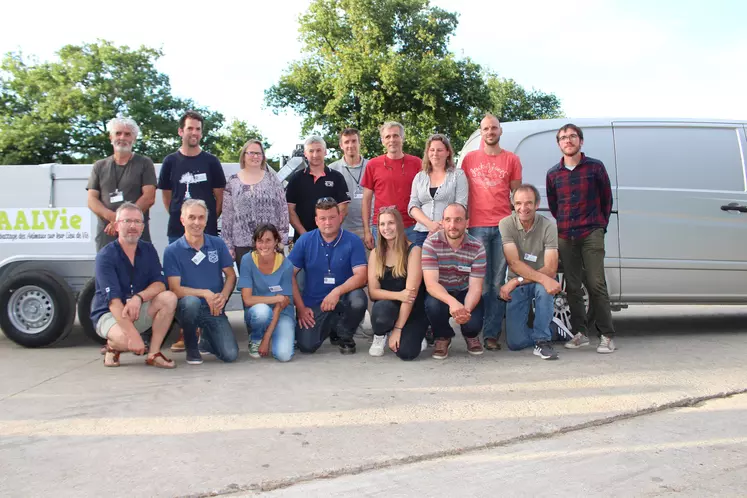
point(395, 283)
point(253, 197)
point(439, 184)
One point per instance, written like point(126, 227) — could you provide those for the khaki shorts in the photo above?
point(107, 321)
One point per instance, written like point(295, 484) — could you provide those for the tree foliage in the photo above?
point(370, 61)
point(232, 138)
point(57, 111)
point(511, 102)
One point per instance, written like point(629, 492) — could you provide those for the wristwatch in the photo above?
point(520, 280)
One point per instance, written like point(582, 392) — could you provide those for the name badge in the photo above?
point(530, 257)
point(329, 279)
point(467, 269)
point(358, 196)
point(200, 177)
point(116, 197)
point(276, 288)
point(198, 258)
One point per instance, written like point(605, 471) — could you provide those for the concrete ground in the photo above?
point(70, 427)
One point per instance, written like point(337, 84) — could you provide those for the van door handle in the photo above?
point(733, 206)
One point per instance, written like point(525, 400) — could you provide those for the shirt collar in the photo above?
point(520, 226)
point(582, 161)
point(334, 242)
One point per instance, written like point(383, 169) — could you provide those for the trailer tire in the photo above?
point(85, 299)
point(37, 308)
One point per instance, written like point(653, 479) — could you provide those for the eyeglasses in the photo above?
point(252, 153)
point(131, 222)
point(384, 208)
point(325, 200)
point(565, 138)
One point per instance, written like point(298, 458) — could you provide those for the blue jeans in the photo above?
point(258, 318)
point(518, 334)
point(410, 233)
point(217, 334)
point(438, 314)
point(495, 276)
point(418, 238)
point(343, 320)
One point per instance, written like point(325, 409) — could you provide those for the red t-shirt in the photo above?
point(489, 180)
point(391, 181)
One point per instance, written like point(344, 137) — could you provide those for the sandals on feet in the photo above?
point(111, 357)
point(166, 363)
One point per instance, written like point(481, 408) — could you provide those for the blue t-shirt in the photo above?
point(179, 261)
point(117, 278)
point(191, 177)
point(318, 258)
point(278, 283)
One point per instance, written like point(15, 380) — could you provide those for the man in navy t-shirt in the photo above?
point(194, 266)
point(333, 302)
point(191, 173)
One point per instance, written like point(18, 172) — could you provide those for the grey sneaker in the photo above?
point(545, 351)
point(606, 345)
point(579, 340)
point(363, 334)
point(254, 350)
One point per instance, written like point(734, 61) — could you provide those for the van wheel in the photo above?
point(37, 308)
point(85, 300)
point(561, 316)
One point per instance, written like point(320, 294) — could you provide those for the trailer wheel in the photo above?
point(37, 308)
point(561, 318)
point(85, 299)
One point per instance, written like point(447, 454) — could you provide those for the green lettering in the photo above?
point(36, 225)
point(4, 223)
point(63, 220)
point(75, 222)
point(21, 222)
point(51, 216)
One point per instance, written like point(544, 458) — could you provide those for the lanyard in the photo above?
point(403, 164)
point(357, 180)
point(328, 249)
point(118, 178)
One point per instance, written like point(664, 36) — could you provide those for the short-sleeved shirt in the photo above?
point(182, 260)
point(117, 278)
point(278, 283)
point(490, 178)
point(454, 267)
point(353, 177)
point(391, 181)
point(191, 177)
point(107, 177)
point(304, 189)
point(319, 258)
point(532, 244)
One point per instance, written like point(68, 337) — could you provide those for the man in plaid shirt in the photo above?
point(580, 198)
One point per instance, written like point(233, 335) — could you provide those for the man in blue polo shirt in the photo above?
point(333, 302)
point(131, 294)
point(195, 265)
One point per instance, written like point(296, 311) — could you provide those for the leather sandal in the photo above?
point(111, 357)
point(151, 360)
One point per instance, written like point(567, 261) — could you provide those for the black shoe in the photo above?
point(347, 346)
point(334, 339)
point(545, 351)
point(429, 336)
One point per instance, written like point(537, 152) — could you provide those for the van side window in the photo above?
point(679, 157)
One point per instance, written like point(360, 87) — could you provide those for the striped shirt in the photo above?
point(454, 267)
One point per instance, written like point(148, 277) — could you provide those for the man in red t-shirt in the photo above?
point(389, 178)
point(492, 174)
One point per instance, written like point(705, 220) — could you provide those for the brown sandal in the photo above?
point(111, 357)
point(153, 363)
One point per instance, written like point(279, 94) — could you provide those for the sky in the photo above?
point(634, 58)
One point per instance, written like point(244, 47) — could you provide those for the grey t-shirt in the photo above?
point(532, 244)
point(353, 176)
point(109, 178)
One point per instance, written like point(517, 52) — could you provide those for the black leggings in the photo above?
point(383, 317)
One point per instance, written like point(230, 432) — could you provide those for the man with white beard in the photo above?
point(121, 177)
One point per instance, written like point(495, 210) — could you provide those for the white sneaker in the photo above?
point(606, 345)
point(579, 340)
point(423, 345)
point(377, 346)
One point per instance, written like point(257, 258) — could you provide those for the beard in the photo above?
point(454, 237)
point(122, 148)
point(492, 142)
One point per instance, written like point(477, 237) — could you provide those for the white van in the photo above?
point(678, 230)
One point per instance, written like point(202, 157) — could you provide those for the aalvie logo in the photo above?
point(329, 183)
point(45, 225)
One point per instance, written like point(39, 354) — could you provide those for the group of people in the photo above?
point(444, 243)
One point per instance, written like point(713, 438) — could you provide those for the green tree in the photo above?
point(57, 111)
point(369, 61)
point(232, 138)
point(511, 102)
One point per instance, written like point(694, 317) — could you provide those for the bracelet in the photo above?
point(397, 328)
point(142, 300)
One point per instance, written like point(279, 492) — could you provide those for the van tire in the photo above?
point(85, 300)
point(37, 308)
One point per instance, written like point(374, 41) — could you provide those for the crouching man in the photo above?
point(530, 244)
point(195, 265)
point(333, 302)
point(131, 294)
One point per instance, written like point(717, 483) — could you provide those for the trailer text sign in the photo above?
point(45, 225)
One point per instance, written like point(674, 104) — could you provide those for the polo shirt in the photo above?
point(117, 278)
point(531, 244)
point(318, 258)
point(191, 177)
point(304, 189)
point(454, 267)
point(278, 283)
point(178, 261)
point(391, 181)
